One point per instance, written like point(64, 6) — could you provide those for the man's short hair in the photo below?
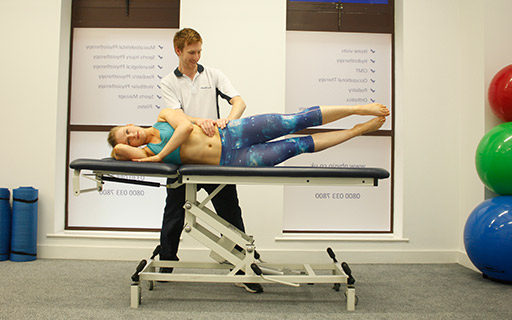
point(186, 37)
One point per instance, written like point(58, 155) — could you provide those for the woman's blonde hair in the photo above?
point(111, 139)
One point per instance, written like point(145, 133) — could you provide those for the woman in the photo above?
point(242, 142)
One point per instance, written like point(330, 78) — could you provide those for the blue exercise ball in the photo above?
point(488, 238)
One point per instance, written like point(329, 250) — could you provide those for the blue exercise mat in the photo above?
point(5, 223)
point(24, 224)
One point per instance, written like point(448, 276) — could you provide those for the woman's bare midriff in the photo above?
point(201, 149)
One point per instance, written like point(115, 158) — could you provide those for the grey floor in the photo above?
point(71, 289)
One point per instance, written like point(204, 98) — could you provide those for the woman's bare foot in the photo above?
point(374, 109)
point(324, 140)
point(371, 125)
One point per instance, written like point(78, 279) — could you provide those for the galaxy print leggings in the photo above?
point(245, 142)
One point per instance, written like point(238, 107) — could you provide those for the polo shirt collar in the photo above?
point(178, 73)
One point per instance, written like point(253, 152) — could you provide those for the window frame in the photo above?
point(113, 14)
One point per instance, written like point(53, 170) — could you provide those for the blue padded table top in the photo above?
point(164, 169)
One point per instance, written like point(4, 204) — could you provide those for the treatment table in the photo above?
point(232, 249)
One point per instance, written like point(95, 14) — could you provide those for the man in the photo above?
point(195, 89)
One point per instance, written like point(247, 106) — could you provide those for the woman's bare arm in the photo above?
point(126, 152)
point(182, 129)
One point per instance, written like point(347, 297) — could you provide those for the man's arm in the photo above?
point(172, 101)
point(169, 94)
point(209, 126)
point(237, 109)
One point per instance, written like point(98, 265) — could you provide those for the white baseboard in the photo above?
point(90, 252)
point(144, 251)
point(463, 259)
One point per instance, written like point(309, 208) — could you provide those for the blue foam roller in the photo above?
point(5, 223)
point(24, 224)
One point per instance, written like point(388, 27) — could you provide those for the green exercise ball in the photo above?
point(494, 159)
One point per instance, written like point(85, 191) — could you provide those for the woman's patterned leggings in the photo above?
point(245, 142)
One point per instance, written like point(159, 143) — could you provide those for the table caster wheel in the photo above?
point(357, 298)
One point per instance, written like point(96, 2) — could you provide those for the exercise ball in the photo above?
point(493, 159)
point(488, 238)
point(500, 94)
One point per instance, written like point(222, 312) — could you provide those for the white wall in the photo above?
point(471, 106)
point(34, 63)
point(429, 107)
point(443, 61)
point(497, 49)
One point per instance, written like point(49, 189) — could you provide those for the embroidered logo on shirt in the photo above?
point(205, 87)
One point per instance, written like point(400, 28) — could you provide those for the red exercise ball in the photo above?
point(500, 94)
